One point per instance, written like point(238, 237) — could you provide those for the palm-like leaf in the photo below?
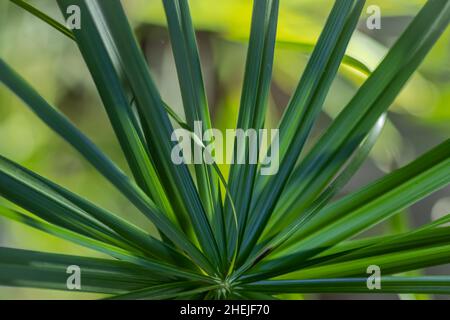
point(283, 226)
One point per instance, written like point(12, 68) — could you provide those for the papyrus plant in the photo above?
point(253, 236)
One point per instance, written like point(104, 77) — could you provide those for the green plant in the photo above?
point(269, 234)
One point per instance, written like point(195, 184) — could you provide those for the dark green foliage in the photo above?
point(283, 226)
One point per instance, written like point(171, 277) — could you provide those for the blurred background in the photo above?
point(419, 119)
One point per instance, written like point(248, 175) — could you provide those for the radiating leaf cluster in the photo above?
point(267, 235)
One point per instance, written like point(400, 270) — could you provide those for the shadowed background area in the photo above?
point(418, 120)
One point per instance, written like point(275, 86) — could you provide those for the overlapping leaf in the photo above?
point(282, 226)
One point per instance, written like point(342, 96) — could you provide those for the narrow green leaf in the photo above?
point(53, 203)
point(252, 112)
point(37, 198)
point(33, 269)
point(190, 78)
point(114, 98)
point(371, 100)
point(403, 193)
point(333, 188)
point(406, 241)
point(176, 178)
point(67, 32)
point(157, 267)
point(430, 284)
point(374, 190)
point(61, 125)
point(278, 220)
point(277, 239)
point(303, 109)
point(158, 291)
point(390, 263)
point(47, 19)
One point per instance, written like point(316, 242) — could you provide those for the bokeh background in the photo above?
point(419, 119)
